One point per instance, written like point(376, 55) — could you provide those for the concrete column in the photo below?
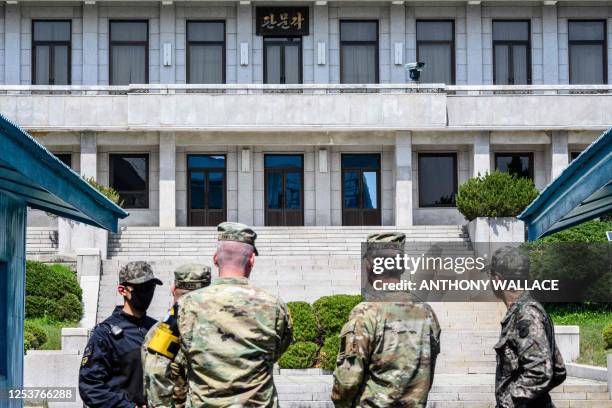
point(398, 37)
point(167, 179)
point(559, 153)
point(244, 35)
point(89, 155)
point(12, 44)
point(482, 154)
point(321, 36)
point(323, 187)
point(245, 185)
point(90, 44)
point(403, 179)
point(474, 44)
point(167, 40)
point(550, 46)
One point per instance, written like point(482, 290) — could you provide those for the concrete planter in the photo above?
point(568, 342)
point(496, 229)
point(73, 236)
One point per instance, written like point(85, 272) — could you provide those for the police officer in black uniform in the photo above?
point(111, 371)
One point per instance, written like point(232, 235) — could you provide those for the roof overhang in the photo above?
point(583, 191)
point(30, 173)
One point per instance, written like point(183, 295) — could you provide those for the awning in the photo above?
point(583, 191)
point(29, 172)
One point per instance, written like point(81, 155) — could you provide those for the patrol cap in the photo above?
point(192, 276)
point(391, 236)
point(510, 263)
point(137, 272)
point(386, 243)
point(235, 231)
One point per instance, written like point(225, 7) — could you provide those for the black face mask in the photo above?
point(142, 295)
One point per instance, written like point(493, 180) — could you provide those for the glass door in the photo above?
point(361, 189)
point(283, 60)
point(206, 190)
point(284, 185)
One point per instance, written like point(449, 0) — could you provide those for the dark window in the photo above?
point(587, 52)
point(129, 52)
point(283, 60)
point(361, 189)
point(51, 41)
point(284, 185)
point(436, 48)
point(206, 52)
point(129, 175)
point(66, 158)
point(511, 52)
point(206, 183)
point(4, 352)
point(519, 164)
point(574, 155)
point(358, 52)
point(437, 179)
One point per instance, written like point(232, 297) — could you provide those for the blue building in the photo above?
point(30, 176)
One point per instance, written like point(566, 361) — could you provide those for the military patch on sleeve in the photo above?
point(523, 328)
point(86, 354)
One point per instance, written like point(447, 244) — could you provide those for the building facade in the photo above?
point(302, 113)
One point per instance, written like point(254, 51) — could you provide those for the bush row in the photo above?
point(316, 330)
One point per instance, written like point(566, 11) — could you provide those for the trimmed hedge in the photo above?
point(299, 355)
point(329, 352)
point(305, 327)
point(497, 194)
point(607, 336)
point(590, 231)
point(52, 291)
point(333, 311)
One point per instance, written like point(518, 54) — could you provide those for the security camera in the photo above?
point(414, 70)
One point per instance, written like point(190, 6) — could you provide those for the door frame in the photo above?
point(205, 170)
point(361, 170)
point(282, 41)
point(282, 170)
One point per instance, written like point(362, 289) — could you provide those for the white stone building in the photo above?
point(276, 113)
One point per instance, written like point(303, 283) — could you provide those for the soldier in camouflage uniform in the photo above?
point(165, 376)
point(388, 349)
point(529, 364)
point(231, 332)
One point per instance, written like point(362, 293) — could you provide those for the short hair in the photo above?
point(234, 253)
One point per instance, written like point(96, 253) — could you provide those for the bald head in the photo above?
point(234, 258)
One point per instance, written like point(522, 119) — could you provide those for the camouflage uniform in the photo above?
point(387, 351)
point(231, 335)
point(529, 364)
point(165, 381)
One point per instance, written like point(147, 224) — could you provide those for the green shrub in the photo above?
point(68, 308)
point(108, 192)
point(37, 306)
point(497, 194)
point(39, 335)
point(607, 335)
point(28, 340)
point(590, 231)
point(305, 326)
point(299, 355)
point(329, 352)
point(333, 311)
point(51, 282)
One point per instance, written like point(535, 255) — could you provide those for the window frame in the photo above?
point(111, 175)
point(452, 43)
point(282, 41)
point(455, 177)
point(510, 44)
point(188, 44)
point(375, 43)
point(111, 43)
point(530, 156)
point(603, 43)
point(51, 45)
point(361, 170)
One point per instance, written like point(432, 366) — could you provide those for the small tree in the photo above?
point(108, 192)
point(497, 194)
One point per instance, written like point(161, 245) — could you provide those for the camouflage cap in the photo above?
point(384, 244)
point(137, 272)
point(510, 263)
point(386, 237)
point(234, 231)
point(192, 276)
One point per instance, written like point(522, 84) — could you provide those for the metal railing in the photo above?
point(248, 89)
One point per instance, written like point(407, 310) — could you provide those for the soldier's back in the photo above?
point(231, 334)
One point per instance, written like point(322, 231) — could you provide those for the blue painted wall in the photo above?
point(12, 256)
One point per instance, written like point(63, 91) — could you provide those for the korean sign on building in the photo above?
point(282, 21)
